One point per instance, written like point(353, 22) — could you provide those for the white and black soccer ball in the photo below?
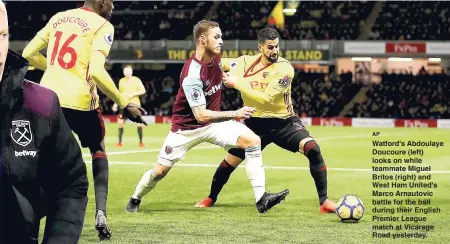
point(350, 209)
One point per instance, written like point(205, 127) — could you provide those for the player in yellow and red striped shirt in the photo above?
point(78, 42)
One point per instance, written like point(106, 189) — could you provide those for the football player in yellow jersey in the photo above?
point(264, 81)
point(132, 87)
point(78, 42)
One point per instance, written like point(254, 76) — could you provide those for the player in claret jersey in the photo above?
point(264, 81)
point(78, 42)
point(196, 119)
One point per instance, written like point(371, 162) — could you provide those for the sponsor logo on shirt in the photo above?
point(25, 153)
point(213, 90)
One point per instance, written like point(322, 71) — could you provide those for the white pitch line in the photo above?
point(217, 147)
point(268, 167)
point(181, 164)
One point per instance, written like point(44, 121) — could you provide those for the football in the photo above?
point(350, 209)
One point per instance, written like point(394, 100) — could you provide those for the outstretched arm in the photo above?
point(193, 90)
point(204, 115)
point(103, 80)
point(100, 50)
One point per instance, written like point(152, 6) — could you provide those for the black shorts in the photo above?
point(88, 125)
point(285, 133)
point(121, 114)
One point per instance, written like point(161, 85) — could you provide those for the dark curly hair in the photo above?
point(267, 34)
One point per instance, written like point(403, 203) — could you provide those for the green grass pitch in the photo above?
point(167, 214)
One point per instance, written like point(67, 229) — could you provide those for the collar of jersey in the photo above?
point(200, 62)
point(246, 74)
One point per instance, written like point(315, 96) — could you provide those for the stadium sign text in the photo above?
point(392, 47)
point(291, 55)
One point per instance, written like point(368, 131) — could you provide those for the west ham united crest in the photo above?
point(21, 132)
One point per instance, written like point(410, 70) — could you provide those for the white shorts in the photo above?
point(223, 134)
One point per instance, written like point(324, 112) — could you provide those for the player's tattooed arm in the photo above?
point(193, 90)
point(204, 115)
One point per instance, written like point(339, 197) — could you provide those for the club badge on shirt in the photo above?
point(21, 132)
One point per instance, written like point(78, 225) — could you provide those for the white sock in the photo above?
point(145, 185)
point(255, 171)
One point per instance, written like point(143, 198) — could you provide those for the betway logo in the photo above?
point(25, 153)
point(213, 90)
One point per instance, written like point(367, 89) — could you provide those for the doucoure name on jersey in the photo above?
point(213, 90)
point(74, 20)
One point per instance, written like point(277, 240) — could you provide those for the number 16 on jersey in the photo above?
point(63, 51)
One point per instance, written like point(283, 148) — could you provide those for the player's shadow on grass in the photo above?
point(150, 210)
point(189, 207)
point(233, 205)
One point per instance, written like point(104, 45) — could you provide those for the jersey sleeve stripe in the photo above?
point(88, 79)
point(91, 90)
point(87, 73)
